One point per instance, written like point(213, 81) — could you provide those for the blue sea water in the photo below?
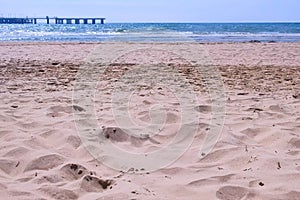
point(153, 32)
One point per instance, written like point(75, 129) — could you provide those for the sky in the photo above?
point(158, 10)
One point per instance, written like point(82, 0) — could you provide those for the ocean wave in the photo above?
point(247, 34)
point(152, 32)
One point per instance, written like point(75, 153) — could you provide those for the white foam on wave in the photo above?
point(143, 32)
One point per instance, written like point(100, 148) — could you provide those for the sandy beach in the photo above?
point(43, 155)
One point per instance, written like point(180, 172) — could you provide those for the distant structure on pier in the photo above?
point(51, 20)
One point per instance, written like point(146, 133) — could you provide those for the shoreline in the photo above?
point(144, 42)
point(220, 54)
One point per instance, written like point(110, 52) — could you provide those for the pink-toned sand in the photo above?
point(256, 157)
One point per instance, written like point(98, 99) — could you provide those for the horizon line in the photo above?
point(202, 22)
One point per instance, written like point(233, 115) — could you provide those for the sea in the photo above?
point(153, 32)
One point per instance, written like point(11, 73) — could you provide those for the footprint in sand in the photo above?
point(74, 141)
point(115, 134)
point(7, 166)
point(17, 152)
point(295, 142)
point(45, 163)
point(232, 193)
point(73, 171)
point(58, 193)
point(59, 111)
point(211, 180)
point(95, 184)
point(203, 109)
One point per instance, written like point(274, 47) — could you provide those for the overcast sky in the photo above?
point(158, 10)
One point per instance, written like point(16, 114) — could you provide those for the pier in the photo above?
point(51, 20)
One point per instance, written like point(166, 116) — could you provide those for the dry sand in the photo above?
point(257, 156)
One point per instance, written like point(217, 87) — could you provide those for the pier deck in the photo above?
point(51, 20)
